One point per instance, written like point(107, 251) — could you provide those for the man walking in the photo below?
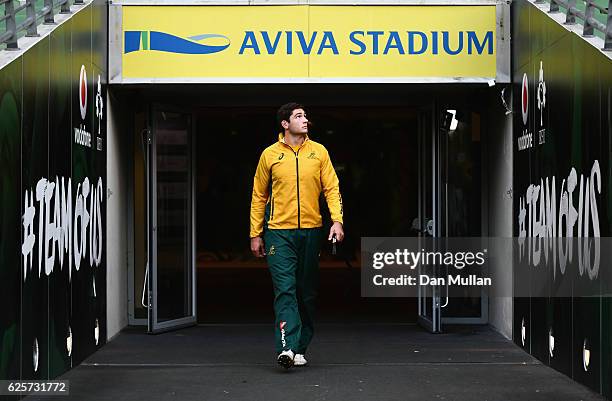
point(286, 227)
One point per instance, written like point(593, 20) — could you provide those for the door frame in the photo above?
point(133, 296)
point(442, 226)
point(431, 323)
point(439, 228)
point(153, 326)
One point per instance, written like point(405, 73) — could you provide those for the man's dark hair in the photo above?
point(285, 111)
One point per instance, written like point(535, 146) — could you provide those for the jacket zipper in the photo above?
point(271, 201)
point(297, 173)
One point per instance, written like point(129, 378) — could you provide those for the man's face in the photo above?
point(298, 123)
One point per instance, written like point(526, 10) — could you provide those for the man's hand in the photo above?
point(257, 247)
point(336, 228)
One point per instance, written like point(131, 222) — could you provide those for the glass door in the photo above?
point(450, 205)
point(428, 296)
point(460, 150)
point(171, 279)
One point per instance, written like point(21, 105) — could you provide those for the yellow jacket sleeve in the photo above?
point(260, 196)
point(331, 189)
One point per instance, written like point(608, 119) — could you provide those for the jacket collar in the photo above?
point(281, 139)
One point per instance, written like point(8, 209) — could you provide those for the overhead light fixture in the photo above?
point(523, 332)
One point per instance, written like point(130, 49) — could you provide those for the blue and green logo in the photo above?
point(164, 42)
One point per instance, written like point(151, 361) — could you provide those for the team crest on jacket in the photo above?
point(272, 250)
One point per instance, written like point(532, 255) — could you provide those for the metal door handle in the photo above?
point(144, 287)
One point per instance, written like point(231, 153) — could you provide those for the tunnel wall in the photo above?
point(561, 124)
point(497, 175)
point(53, 197)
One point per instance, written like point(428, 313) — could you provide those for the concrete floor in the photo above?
point(347, 362)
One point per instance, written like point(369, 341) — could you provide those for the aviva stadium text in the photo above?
point(368, 42)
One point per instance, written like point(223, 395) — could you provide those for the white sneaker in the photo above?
point(299, 360)
point(285, 359)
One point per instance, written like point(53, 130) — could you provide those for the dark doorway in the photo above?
point(374, 152)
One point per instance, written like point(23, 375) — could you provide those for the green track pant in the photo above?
point(293, 260)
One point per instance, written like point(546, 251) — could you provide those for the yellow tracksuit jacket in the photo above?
point(289, 183)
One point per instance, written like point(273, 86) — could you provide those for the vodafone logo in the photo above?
point(81, 135)
point(525, 99)
point(83, 92)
